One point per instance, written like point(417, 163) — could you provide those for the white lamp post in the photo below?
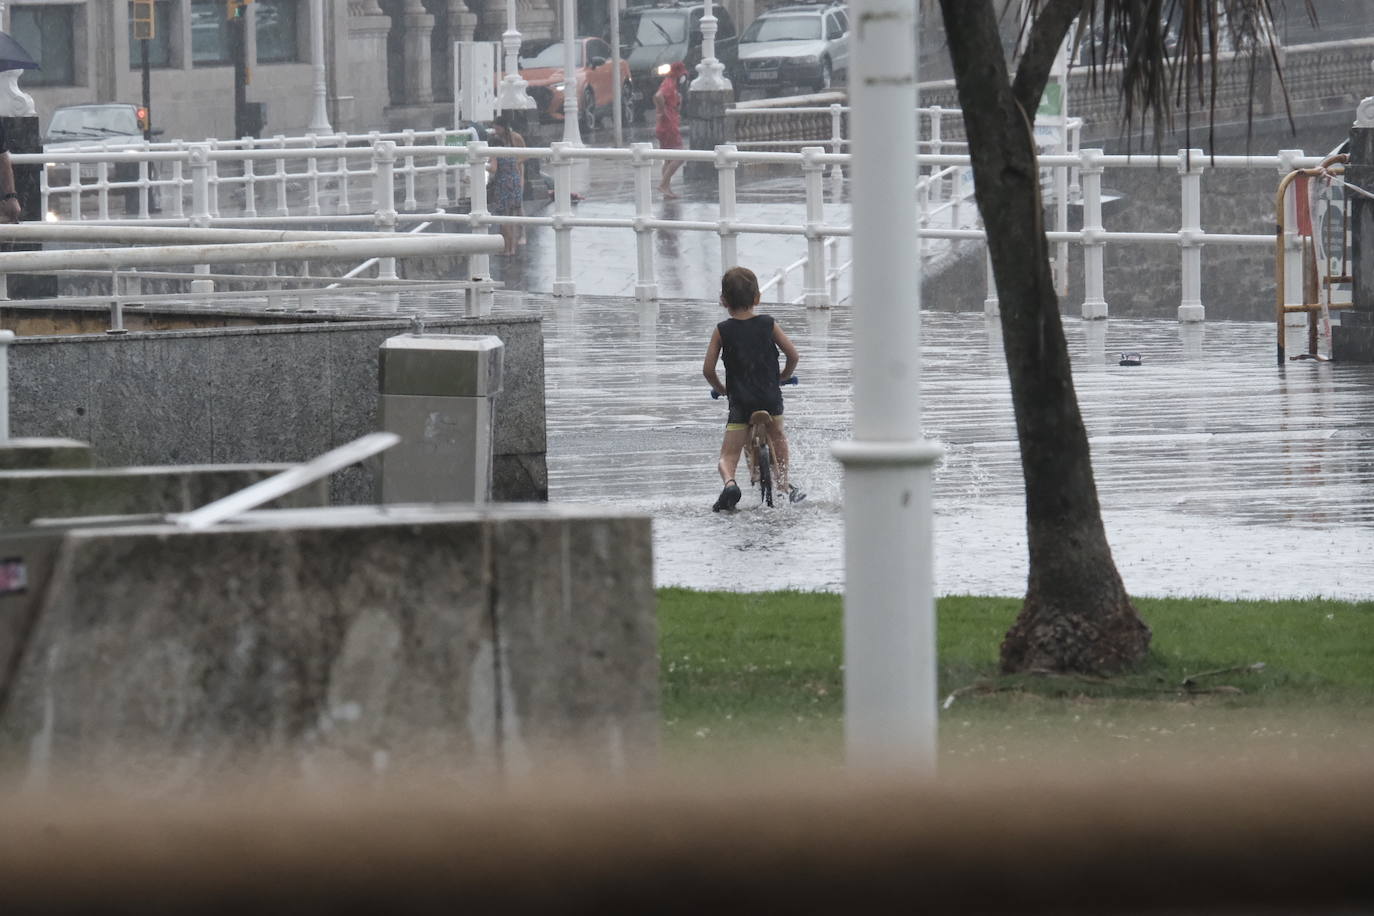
point(889, 609)
point(512, 94)
point(571, 133)
point(710, 72)
point(319, 117)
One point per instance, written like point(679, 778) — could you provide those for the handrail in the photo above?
point(943, 217)
point(1306, 258)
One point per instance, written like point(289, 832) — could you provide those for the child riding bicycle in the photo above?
point(749, 343)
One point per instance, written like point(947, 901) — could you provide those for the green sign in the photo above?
point(1052, 102)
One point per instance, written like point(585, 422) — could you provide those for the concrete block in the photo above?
point(344, 644)
point(16, 454)
point(26, 495)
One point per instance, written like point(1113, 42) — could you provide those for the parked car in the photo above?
point(653, 37)
point(111, 127)
point(541, 67)
point(800, 44)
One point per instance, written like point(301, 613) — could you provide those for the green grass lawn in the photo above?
point(746, 674)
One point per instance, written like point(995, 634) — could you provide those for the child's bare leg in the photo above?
point(730, 449)
point(781, 455)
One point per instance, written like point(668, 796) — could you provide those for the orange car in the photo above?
point(541, 67)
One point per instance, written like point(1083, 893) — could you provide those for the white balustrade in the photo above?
point(726, 166)
point(479, 267)
point(815, 294)
point(384, 198)
point(563, 284)
point(1290, 159)
point(1094, 294)
point(1191, 163)
point(646, 286)
point(168, 170)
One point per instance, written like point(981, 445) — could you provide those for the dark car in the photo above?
point(653, 37)
point(100, 127)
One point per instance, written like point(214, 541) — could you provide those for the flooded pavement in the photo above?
point(1219, 474)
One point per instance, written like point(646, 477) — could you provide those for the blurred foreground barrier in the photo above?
point(1128, 846)
point(353, 644)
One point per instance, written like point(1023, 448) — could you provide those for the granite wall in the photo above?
point(344, 644)
point(266, 394)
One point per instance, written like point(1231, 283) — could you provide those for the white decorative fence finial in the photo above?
point(1364, 113)
point(14, 102)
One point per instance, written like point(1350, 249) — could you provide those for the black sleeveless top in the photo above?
point(751, 361)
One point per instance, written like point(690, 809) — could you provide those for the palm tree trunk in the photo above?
point(1077, 615)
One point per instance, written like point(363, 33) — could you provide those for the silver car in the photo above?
point(801, 44)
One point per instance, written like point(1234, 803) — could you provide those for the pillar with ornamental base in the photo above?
point(1353, 339)
point(708, 95)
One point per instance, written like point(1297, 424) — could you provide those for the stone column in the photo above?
point(1353, 339)
point(704, 112)
point(363, 98)
point(418, 26)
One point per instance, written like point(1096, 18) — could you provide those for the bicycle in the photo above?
point(759, 453)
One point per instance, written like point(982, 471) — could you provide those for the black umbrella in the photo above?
point(13, 56)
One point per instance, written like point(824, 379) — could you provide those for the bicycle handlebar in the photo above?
point(715, 395)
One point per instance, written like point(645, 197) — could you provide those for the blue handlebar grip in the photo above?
point(715, 395)
point(793, 380)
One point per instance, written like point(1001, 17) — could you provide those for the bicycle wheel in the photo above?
point(766, 475)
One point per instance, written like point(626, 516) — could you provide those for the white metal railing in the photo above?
point(946, 177)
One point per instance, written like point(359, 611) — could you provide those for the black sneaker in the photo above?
point(728, 497)
point(794, 495)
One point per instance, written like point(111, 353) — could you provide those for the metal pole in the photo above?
point(147, 90)
point(889, 614)
point(710, 72)
point(618, 88)
point(571, 133)
point(238, 45)
point(6, 338)
point(512, 95)
point(319, 117)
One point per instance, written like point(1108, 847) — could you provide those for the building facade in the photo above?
point(388, 63)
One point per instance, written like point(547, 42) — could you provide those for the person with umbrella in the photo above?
point(12, 57)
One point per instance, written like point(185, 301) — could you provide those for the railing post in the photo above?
point(1292, 243)
point(646, 285)
point(283, 208)
point(726, 167)
point(345, 206)
point(6, 338)
point(441, 171)
point(178, 182)
point(200, 206)
point(214, 181)
point(1090, 172)
point(383, 198)
point(408, 169)
point(1061, 217)
point(479, 265)
point(250, 187)
point(312, 207)
point(814, 294)
point(1191, 162)
point(836, 147)
point(102, 183)
point(937, 128)
point(992, 306)
point(563, 284)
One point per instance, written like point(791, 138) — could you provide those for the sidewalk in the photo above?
point(1218, 473)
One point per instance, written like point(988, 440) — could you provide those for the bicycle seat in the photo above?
point(760, 417)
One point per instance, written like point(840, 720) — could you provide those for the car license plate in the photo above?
point(88, 170)
point(764, 75)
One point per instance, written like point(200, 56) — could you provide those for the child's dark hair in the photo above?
point(739, 288)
